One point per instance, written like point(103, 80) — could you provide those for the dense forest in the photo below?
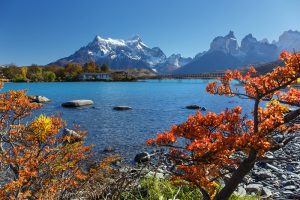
point(51, 73)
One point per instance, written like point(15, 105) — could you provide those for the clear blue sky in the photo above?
point(42, 31)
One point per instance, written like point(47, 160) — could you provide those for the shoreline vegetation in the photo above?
point(71, 73)
point(92, 72)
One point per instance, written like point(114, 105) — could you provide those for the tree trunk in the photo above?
point(237, 176)
point(205, 195)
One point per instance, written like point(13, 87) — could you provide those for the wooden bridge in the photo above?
point(191, 76)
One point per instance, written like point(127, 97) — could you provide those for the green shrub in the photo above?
point(49, 76)
point(19, 78)
point(152, 188)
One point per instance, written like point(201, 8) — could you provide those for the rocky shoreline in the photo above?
point(277, 177)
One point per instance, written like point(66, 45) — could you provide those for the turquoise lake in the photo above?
point(156, 106)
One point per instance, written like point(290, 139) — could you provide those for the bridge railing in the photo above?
point(186, 76)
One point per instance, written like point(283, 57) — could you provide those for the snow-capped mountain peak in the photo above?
point(118, 53)
point(136, 42)
point(173, 62)
point(135, 38)
point(177, 60)
point(109, 41)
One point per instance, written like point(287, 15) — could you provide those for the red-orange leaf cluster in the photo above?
point(209, 146)
point(34, 157)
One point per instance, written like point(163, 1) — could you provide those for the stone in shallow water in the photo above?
point(38, 99)
point(193, 106)
point(78, 103)
point(122, 108)
point(142, 157)
point(73, 136)
point(203, 109)
point(108, 149)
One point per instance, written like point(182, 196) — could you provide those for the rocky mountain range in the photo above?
point(124, 54)
point(289, 41)
point(225, 52)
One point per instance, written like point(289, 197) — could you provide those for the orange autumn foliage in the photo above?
point(205, 147)
point(36, 161)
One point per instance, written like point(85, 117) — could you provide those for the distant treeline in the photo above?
point(51, 73)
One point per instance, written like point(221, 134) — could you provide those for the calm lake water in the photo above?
point(156, 106)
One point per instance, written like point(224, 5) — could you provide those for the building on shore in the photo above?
point(94, 76)
point(113, 75)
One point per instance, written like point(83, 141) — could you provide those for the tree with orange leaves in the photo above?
point(212, 141)
point(36, 160)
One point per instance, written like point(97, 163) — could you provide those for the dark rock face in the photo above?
point(289, 41)
point(257, 51)
point(227, 44)
point(212, 61)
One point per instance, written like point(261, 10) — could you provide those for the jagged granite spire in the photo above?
point(227, 44)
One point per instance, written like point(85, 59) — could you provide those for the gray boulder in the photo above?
point(290, 187)
point(38, 99)
point(262, 174)
point(266, 192)
point(240, 191)
point(203, 109)
point(256, 188)
point(74, 136)
point(142, 157)
point(77, 103)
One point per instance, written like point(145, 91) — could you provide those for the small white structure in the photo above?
point(94, 76)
